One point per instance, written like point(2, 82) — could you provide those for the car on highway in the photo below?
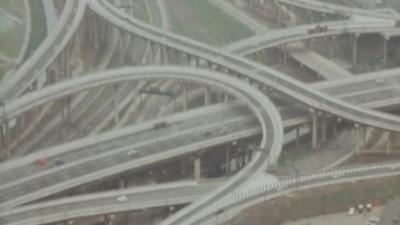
point(159, 125)
point(132, 152)
point(41, 162)
point(351, 211)
point(122, 198)
point(59, 162)
point(379, 81)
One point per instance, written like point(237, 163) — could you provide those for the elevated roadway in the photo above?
point(254, 72)
point(186, 192)
point(300, 33)
point(278, 81)
point(234, 203)
point(335, 9)
point(47, 52)
point(177, 143)
point(142, 197)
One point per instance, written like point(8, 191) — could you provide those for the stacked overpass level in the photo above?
point(338, 9)
point(261, 74)
point(178, 143)
point(36, 65)
point(106, 202)
point(185, 192)
point(299, 33)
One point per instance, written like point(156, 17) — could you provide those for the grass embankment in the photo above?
point(201, 20)
point(323, 200)
point(38, 23)
point(12, 35)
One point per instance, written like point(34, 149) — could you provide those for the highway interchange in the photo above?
point(88, 159)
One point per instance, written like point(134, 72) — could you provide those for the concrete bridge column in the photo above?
point(297, 136)
point(66, 108)
point(333, 46)
point(279, 14)
point(355, 48)
point(188, 59)
point(4, 139)
point(315, 126)
point(116, 103)
point(152, 50)
point(197, 168)
point(389, 142)
point(228, 160)
point(385, 49)
point(163, 55)
point(206, 96)
point(110, 219)
point(197, 62)
point(324, 129)
point(310, 13)
point(285, 54)
point(185, 97)
point(358, 138)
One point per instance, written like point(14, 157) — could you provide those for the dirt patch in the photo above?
point(318, 201)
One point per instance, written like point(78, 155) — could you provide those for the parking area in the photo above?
point(338, 218)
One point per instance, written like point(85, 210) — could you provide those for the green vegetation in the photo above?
point(140, 11)
point(201, 20)
point(11, 41)
point(39, 31)
point(15, 7)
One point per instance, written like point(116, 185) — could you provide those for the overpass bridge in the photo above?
point(255, 74)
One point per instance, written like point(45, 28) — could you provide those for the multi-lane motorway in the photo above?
point(185, 133)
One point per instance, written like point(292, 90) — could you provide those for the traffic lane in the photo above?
point(43, 59)
point(135, 200)
point(216, 113)
point(374, 96)
point(110, 159)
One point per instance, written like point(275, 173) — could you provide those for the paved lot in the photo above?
point(337, 218)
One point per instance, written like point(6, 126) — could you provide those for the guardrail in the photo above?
point(297, 182)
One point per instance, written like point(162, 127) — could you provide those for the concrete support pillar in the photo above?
point(206, 96)
point(163, 55)
point(358, 138)
point(285, 54)
point(110, 219)
point(385, 49)
point(310, 13)
point(334, 128)
point(279, 15)
point(209, 65)
point(315, 126)
point(197, 62)
point(188, 59)
point(389, 143)
point(4, 139)
point(332, 47)
point(324, 129)
point(116, 103)
point(152, 50)
point(185, 97)
point(228, 160)
point(66, 109)
point(297, 136)
point(197, 168)
point(355, 48)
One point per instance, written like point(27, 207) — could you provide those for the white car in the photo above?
point(132, 152)
point(122, 198)
point(351, 211)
